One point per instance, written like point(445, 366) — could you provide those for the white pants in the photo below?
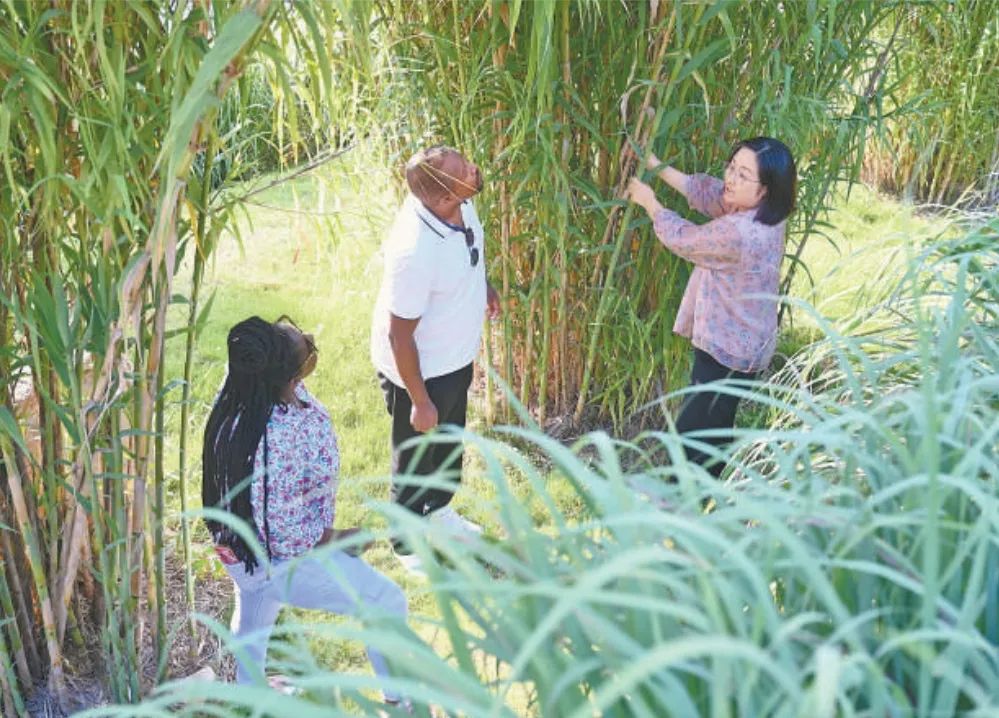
point(325, 580)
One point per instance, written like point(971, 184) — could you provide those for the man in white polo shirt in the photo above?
point(427, 327)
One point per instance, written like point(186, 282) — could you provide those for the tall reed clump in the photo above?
point(548, 97)
point(108, 136)
point(940, 143)
point(846, 567)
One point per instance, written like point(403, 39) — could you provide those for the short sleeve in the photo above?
point(410, 276)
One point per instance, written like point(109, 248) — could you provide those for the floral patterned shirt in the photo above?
point(302, 468)
point(729, 308)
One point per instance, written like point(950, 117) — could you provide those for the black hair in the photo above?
point(777, 175)
point(262, 360)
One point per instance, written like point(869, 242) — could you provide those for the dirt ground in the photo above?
point(86, 672)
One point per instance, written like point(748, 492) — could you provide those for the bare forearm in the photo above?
point(402, 337)
point(407, 363)
point(652, 207)
point(674, 178)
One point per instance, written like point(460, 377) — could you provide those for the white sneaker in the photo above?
point(412, 563)
point(457, 525)
point(283, 684)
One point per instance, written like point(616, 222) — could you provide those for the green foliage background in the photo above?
point(128, 132)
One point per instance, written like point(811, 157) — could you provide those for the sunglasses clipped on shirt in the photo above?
point(473, 251)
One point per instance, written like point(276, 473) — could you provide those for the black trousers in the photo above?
point(709, 409)
point(449, 393)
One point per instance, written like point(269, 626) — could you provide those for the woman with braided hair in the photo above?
point(271, 461)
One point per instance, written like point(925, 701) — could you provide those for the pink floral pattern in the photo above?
point(302, 469)
point(729, 308)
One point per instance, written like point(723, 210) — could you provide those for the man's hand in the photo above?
point(493, 307)
point(652, 162)
point(423, 416)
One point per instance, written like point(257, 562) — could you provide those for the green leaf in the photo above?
point(9, 428)
point(201, 96)
point(706, 55)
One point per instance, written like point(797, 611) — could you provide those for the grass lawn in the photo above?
point(324, 272)
point(864, 245)
point(309, 249)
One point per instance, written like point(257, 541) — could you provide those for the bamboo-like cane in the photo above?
point(110, 532)
point(185, 524)
point(161, 249)
point(505, 354)
point(56, 680)
point(531, 312)
point(591, 354)
point(76, 527)
point(13, 704)
point(76, 536)
point(14, 635)
point(202, 248)
point(562, 342)
point(543, 363)
point(20, 599)
point(157, 592)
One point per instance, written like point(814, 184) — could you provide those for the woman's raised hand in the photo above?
point(652, 162)
point(638, 192)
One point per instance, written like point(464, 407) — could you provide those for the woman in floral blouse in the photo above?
point(729, 309)
point(270, 460)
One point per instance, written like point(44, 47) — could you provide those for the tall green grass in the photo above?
point(938, 142)
point(108, 147)
point(550, 96)
point(124, 125)
point(846, 567)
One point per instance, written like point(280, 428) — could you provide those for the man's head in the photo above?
point(442, 178)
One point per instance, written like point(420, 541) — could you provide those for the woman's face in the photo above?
point(303, 348)
point(743, 189)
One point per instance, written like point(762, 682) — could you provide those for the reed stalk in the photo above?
point(100, 125)
point(30, 536)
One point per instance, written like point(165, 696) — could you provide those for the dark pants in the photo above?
point(449, 393)
point(709, 409)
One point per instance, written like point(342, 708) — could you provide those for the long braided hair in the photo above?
point(261, 363)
